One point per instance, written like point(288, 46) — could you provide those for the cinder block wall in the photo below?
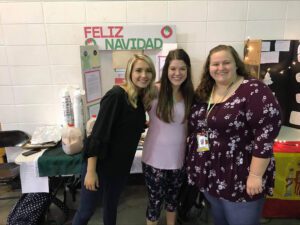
point(39, 42)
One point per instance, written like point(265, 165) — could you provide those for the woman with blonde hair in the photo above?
point(110, 149)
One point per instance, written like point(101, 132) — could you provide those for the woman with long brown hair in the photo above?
point(164, 147)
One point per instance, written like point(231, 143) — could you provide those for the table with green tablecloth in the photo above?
point(62, 170)
point(55, 162)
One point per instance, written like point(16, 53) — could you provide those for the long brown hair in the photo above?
point(165, 99)
point(148, 93)
point(207, 82)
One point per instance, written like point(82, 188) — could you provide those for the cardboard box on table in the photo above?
point(285, 203)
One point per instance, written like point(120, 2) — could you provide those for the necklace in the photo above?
point(208, 110)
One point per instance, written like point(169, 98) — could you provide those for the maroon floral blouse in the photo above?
point(243, 126)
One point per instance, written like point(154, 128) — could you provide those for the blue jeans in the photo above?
point(110, 191)
point(235, 213)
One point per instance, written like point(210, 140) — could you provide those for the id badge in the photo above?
point(203, 145)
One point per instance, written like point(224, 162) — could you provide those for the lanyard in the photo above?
point(208, 110)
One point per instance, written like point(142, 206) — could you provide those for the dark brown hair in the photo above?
point(165, 99)
point(207, 82)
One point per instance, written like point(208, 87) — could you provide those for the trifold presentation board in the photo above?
point(277, 63)
point(107, 50)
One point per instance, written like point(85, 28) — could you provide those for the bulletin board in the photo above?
point(91, 79)
point(277, 64)
point(106, 52)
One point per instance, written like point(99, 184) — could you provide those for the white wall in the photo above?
point(39, 42)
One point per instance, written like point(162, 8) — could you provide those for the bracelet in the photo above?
point(254, 175)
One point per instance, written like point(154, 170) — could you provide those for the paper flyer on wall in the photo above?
point(93, 85)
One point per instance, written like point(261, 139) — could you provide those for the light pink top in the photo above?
point(165, 143)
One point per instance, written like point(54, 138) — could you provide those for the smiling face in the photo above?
point(141, 74)
point(222, 67)
point(177, 72)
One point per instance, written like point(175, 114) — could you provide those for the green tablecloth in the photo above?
point(55, 162)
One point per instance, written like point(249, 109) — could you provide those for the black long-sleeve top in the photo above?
point(116, 133)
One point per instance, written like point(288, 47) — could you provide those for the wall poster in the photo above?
point(279, 68)
point(91, 77)
point(129, 37)
point(92, 82)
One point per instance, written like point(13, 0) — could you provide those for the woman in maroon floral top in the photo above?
point(232, 126)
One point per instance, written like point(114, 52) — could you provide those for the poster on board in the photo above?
point(120, 76)
point(116, 44)
point(91, 77)
point(93, 109)
point(90, 58)
point(92, 83)
point(129, 37)
point(279, 68)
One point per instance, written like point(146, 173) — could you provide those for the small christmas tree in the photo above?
point(268, 80)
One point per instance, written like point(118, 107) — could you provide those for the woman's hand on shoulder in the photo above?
point(91, 181)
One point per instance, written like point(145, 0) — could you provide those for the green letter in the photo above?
point(109, 45)
point(149, 44)
point(133, 43)
point(118, 45)
point(141, 41)
point(125, 45)
point(158, 43)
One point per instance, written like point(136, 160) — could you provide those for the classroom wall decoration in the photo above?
point(116, 44)
point(129, 37)
point(91, 78)
point(277, 64)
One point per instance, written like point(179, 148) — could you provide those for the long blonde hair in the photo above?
point(148, 93)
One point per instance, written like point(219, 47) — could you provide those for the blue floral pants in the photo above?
point(163, 186)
